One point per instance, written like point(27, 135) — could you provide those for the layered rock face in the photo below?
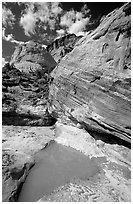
point(92, 83)
point(60, 47)
point(32, 57)
point(26, 85)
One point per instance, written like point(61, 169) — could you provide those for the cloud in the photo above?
point(10, 38)
point(28, 22)
point(8, 18)
point(75, 21)
point(68, 18)
point(48, 20)
point(60, 32)
point(40, 15)
point(44, 46)
point(79, 26)
point(45, 21)
point(4, 61)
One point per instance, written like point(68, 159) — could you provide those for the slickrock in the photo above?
point(92, 83)
point(112, 182)
point(19, 145)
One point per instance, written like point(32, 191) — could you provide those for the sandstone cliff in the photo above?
point(60, 47)
point(33, 56)
point(26, 85)
point(25, 92)
point(91, 89)
point(92, 83)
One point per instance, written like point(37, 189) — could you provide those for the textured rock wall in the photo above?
point(60, 47)
point(26, 86)
point(32, 55)
point(92, 84)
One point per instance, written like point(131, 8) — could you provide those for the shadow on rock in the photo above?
point(13, 118)
point(108, 138)
point(98, 134)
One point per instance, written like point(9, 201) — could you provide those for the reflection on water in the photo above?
point(55, 166)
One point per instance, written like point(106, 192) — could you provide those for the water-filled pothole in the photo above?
point(55, 166)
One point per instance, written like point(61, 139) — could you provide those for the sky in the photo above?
point(46, 21)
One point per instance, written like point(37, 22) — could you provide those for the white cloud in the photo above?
point(10, 38)
point(76, 22)
point(28, 22)
point(79, 16)
point(8, 18)
point(44, 46)
point(41, 14)
point(55, 8)
point(40, 17)
point(79, 26)
point(3, 61)
point(68, 18)
point(60, 32)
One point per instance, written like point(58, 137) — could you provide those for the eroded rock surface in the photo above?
point(112, 183)
point(19, 145)
point(60, 47)
point(32, 56)
point(92, 83)
point(26, 85)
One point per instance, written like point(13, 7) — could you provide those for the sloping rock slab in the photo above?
point(92, 84)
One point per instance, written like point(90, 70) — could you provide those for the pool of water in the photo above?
point(55, 166)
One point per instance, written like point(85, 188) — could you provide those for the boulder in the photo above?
point(92, 83)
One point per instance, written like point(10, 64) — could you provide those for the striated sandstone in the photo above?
point(92, 83)
point(33, 56)
point(25, 86)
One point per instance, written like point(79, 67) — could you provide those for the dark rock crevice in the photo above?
point(101, 134)
point(19, 175)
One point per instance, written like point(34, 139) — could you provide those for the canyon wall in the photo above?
point(25, 85)
point(92, 83)
point(61, 46)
